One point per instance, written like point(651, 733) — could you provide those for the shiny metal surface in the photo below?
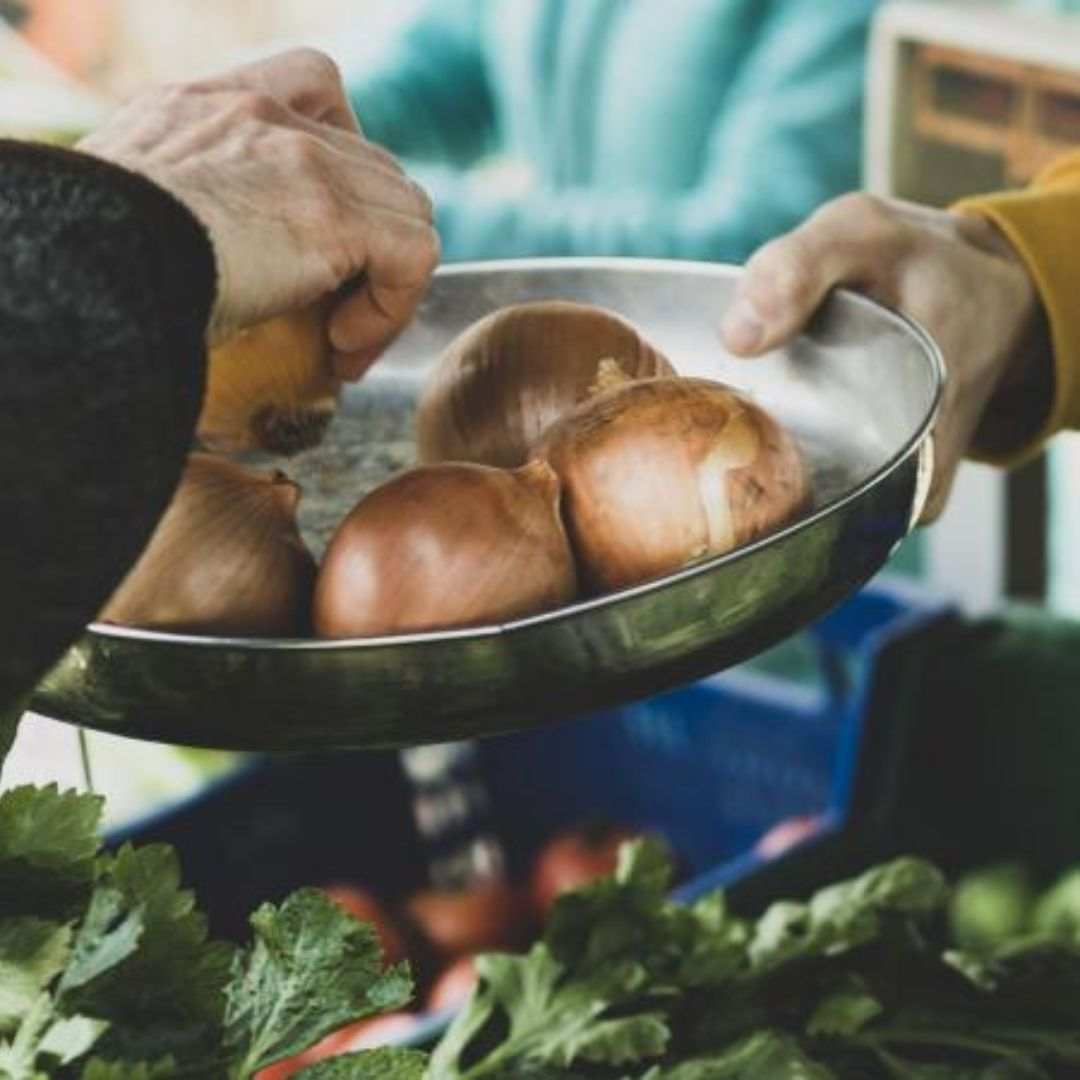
point(859, 390)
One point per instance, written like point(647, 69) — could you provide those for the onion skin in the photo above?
point(661, 473)
point(271, 386)
point(225, 559)
point(446, 545)
point(506, 378)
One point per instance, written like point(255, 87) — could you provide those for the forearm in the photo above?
point(106, 285)
point(1040, 394)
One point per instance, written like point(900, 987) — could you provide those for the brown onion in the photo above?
point(661, 473)
point(226, 558)
point(446, 545)
point(507, 377)
point(271, 386)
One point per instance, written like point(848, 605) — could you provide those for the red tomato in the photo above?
point(453, 985)
point(362, 905)
point(785, 835)
point(574, 858)
point(485, 917)
point(361, 1035)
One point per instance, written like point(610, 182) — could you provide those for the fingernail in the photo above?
point(742, 329)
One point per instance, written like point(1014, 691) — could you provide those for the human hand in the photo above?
point(954, 274)
point(297, 202)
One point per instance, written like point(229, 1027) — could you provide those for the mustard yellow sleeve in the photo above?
point(1042, 223)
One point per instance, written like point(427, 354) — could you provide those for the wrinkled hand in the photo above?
point(296, 201)
point(955, 274)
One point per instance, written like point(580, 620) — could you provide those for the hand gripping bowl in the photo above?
point(859, 390)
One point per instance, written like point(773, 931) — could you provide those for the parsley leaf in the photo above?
point(384, 1064)
point(312, 969)
point(167, 996)
point(48, 840)
point(33, 952)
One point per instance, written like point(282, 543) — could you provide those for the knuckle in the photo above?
point(861, 206)
point(869, 217)
point(781, 277)
point(253, 105)
point(316, 64)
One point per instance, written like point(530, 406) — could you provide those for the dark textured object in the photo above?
point(106, 284)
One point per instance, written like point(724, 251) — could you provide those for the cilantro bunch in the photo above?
point(858, 982)
point(107, 973)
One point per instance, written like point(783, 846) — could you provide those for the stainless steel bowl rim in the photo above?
point(613, 598)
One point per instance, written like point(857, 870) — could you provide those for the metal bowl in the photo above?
point(859, 390)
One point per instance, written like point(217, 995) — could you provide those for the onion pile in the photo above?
point(660, 473)
point(559, 447)
point(226, 558)
point(271, 387)
point(446, 545)
point(506, 378)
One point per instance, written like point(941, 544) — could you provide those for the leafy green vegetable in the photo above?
point(312, 970)
point(166, 997)
point(992, 904)
point(382, 1064)
point(33, 952)
point(763, 1054)
point(96, 1069)
point(48, 842)
point(1057, 911)
point(858, 981)
point(107, 971)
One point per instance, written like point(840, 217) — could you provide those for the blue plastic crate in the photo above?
point(715, 765)
point(711, 767)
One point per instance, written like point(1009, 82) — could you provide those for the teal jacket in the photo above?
point(668, 128)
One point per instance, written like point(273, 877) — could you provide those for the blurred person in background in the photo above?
point(687, 129)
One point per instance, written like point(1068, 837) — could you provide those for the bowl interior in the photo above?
point(855, 389)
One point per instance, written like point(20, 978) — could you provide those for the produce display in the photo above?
point(993, 905)
point(107, 973)
point(561, 457)
point(442, 931)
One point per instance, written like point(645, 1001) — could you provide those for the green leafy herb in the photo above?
point(858, 981)
point(382, 1064)
point(48, 841)
point(312, 970)
point(107, 971)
